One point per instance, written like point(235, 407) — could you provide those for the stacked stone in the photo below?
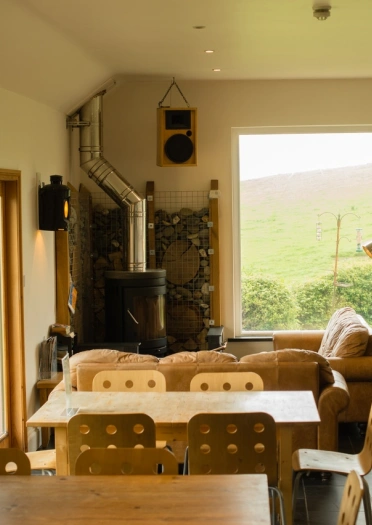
point(107, 242)
point(182, 248)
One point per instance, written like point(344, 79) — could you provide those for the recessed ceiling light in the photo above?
point(199, 27)
point(209, 51)
point(322, 13)
point(216, 69)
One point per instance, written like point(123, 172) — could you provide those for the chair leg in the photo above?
point(272, 498)
point(296, 485)
point(367, 503)
point(186, 462)
point(276, 494)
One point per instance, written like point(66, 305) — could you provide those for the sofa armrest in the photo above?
point(353, 369)
point(333, 399)
point(301, 339)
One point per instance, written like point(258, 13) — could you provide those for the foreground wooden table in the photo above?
point(32, 500)
point(171, 412)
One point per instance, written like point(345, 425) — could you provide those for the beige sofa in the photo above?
point(298, 370)
point(347, 345)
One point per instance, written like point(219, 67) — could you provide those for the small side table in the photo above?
point(45, 386)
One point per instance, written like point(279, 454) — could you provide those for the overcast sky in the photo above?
point(264, 155)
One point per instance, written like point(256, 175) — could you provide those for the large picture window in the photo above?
point(302, 203)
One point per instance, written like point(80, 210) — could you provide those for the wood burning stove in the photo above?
point(135, 309)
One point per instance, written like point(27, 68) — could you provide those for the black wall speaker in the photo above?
point(54, 205)
point(177, 137)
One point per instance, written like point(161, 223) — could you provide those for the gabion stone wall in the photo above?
point(108, 226)
point(182, 245)
point(182, 249)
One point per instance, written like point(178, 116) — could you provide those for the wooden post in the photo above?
point(150, 224)
point(62, 277)
point(215, 305)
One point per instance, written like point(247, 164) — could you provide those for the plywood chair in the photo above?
point(130, 381)
point(85, 431)
point(309, 460)
point(226, 382)
point(14, 461)
point(240, 443)
point(223, 382)
point(351, 499)
point(44, 460)
point(99, 461)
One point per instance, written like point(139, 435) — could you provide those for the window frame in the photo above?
point(262, 130)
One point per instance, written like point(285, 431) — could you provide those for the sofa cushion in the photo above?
point(296, 355)
point(105, 355)
point(346, 335)
point(203, 356)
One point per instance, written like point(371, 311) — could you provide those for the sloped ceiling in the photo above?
point(59, 51)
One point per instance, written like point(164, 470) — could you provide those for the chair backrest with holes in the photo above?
point(129, 381)
point(365, 456)
point(351, 499)
point(86, 431)
point(126, 461)
point(14, 461)
point(237, 443)
point(226, 381)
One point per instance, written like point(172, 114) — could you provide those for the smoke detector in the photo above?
point(322, 13)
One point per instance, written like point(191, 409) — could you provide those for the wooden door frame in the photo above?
point(14, 317)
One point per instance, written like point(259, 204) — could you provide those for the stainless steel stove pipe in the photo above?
point(112, 182)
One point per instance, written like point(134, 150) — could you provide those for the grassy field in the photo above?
point(279, 215)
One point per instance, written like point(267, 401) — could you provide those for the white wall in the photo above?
point(33, 138)
point(130, 135)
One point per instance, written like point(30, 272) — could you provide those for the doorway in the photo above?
point(12, 382)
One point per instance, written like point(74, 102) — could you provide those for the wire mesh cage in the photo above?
point(182, 249)
point(182, 242)
point(79, 243)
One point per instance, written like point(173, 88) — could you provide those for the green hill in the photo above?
point(279, 215)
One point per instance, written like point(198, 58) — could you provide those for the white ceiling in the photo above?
point(59, 51)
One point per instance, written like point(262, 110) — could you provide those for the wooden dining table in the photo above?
point(105, 500)
point(171, 412)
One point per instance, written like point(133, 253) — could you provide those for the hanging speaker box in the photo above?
point(177, 137)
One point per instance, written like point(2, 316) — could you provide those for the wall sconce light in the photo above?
point(54, 205)
point(367, 247)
